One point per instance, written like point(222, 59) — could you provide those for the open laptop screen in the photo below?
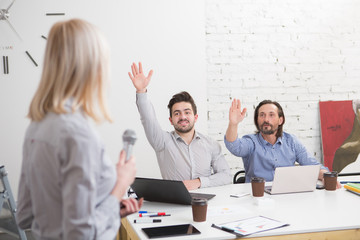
point(168, 191)
point(294, 179)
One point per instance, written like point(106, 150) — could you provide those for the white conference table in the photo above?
point(312, 215)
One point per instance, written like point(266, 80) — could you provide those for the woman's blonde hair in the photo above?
point(76, 66)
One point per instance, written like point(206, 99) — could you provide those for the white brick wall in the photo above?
point(297, 52)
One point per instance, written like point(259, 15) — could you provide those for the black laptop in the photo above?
point(167, 191)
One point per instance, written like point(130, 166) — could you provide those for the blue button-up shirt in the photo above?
point(261, 158)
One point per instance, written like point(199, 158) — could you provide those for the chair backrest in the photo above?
point(8, 208)
point(239, 177)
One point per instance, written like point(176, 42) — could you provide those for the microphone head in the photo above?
point(129, 136)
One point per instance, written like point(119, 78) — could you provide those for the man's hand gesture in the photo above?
point(138, 78)
point(235, 117)
point(235, 113)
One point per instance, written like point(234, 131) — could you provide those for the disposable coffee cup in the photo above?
point(330, 179)
point(257, 185)
point(199, 209)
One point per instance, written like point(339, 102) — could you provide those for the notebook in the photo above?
point(294, 179)
point(167, 191)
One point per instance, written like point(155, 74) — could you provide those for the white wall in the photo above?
point(297, 52)
point(166, 35)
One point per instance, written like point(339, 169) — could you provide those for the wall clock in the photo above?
point(20, 37)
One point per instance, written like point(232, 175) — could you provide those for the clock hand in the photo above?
point(10, 6)
point(11, 26)
point(4, 15)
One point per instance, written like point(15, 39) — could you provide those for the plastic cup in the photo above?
point(330, 179)
point(199, 209)
point(257, 185)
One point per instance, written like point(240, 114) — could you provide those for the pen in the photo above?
point(146, 220)
point(144, 212)
point(152, 214)
point(227, 229)
point(345, 182)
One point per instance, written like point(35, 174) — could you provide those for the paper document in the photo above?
point(238, 195)
point(250, 225)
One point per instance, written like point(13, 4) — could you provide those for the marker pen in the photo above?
point(147, 220)
point(144, 212)
point(152, 214)
point(346, 182)
point(165, 215)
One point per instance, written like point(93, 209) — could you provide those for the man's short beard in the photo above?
point(186, 130)
point(267, 132)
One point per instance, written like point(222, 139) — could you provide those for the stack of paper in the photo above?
point(353, 187)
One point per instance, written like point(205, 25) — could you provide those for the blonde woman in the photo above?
point(69, 189)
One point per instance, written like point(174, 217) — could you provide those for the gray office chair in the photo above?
point(239, 177)
point(8, 208)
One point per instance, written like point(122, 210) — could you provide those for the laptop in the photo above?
point(294, 179)
point(168, 191)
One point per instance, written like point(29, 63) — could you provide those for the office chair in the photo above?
point(239, 177)
point(8, 208)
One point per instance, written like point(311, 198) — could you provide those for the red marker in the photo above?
point(153, 214)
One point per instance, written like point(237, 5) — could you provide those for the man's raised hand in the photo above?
point(138, 78)
point(235, 113)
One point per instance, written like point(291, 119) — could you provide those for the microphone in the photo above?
point(129, 139)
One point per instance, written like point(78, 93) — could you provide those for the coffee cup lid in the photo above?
point(199, 201)
point(330, 174)
point(257, 179)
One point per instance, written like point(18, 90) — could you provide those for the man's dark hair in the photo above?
point(182, 97)
point(280, 114)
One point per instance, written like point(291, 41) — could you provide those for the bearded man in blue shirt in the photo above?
point(269, 147)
